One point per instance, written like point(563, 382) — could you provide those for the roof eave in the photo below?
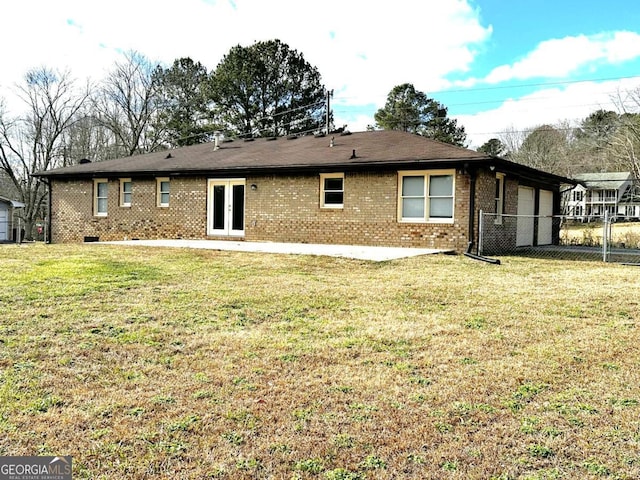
point(270, 169)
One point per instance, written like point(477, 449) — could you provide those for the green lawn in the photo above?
point(164, 363)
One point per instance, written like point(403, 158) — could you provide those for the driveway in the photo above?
point(359, 252)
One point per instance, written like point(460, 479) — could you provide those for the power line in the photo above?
point(503, 100)
point(523, 85)
point(540, 84)
point(267, 129)
point(596, 106)
point(303, 107)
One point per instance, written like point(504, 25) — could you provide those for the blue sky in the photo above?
point(498, 65)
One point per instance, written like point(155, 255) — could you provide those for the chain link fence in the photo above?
point(606, 238)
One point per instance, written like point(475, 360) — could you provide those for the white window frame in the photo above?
point(123, 201)
point(160, 192)
point(427, 174)
point(323, 203)
point(499, 200)
point(96, 199)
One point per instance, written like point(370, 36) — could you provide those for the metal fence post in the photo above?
point(480, 232)
point(605, 236)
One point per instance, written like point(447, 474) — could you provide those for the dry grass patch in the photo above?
point(165, 363)
point(623, 234)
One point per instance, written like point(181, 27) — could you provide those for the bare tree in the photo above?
point(87, 138)
point(546, 147)
point(625, 143)
point(512, 139)
point(33, 142)
point(127, 104)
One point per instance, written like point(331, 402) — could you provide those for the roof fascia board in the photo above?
point(270, 170)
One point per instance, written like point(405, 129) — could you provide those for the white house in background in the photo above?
point(7, 218)
point(615, 193)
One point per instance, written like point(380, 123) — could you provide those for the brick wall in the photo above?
point(281, 209)
point(73, 218)
point(287, 209)
point(500, 237)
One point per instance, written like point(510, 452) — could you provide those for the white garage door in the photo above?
point(545, 222)
point(526, 209)
point(4, 222)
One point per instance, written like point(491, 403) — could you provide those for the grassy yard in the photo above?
point(159, 363)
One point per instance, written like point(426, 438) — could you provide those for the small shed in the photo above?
point(10, 228)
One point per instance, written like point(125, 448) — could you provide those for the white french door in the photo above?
point(225, 207)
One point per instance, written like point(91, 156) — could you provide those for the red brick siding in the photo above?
point(498, 237)
point(73, 218)
point(281, 209)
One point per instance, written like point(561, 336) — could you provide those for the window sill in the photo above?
point(449, 221)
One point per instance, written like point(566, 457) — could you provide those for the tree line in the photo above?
point(263, 90)
point(266, 89)
point(604, 141)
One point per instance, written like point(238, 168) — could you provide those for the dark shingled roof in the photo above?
point(373, 150)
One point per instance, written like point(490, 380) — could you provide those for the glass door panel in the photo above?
point(225, 209)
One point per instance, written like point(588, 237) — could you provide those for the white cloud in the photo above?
point(559, 58)
point(571, 102)
point(362, 49)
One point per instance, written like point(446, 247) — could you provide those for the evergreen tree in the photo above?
point(410, 110)
point(185, 106)
point(267, 89)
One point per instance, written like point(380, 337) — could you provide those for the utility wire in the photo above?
point(523, 85)
point(267, 117)
point(541, 84)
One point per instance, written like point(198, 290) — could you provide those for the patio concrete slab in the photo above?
point(359, 252)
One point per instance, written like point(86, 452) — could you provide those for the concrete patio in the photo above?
point(359, 252)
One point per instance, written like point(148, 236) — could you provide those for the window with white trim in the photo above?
point(125, 192)
point(163, 188)
point(426, 196)
point(100, 197)
point(499, 199)
point(332, 190)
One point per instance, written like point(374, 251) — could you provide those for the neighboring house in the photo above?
point(384, 188)
point(613, 193)
point(8, 225)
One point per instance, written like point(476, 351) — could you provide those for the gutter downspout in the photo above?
point(472, 215)
point(47, 239)
point(472, 205)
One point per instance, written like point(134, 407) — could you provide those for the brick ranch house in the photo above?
point(382, 188)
